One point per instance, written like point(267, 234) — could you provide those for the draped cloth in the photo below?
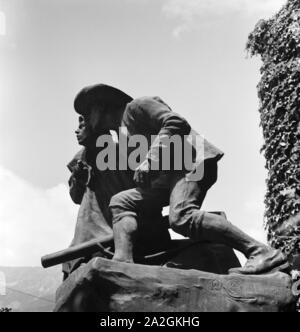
point(94, 220)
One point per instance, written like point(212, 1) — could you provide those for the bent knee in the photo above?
point(118, 199)
point(173, 219)
point(122, 205)
point(125, 200)
point(179, 222)
point(184, 223)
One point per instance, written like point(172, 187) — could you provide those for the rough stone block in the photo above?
point(107, 286)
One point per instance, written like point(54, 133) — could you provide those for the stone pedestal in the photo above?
point(107, 286)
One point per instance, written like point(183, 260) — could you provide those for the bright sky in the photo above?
point(189, 52)
point(2, 24)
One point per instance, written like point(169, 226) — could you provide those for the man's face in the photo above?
point(82, 132)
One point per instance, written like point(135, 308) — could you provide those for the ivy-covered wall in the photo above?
point(277, 41)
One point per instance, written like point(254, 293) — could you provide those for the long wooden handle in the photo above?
point(82, 250)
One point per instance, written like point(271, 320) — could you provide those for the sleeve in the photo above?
point(76, 188)
point(158, 116)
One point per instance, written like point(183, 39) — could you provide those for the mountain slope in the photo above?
point(30, 289)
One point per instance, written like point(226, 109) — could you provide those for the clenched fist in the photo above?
point(81, 172)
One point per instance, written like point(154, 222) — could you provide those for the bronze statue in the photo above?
point(151, 116)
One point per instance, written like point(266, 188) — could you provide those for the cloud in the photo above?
point(188, 12)
point(33, 221)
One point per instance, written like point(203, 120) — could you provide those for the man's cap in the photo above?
point(99, 93)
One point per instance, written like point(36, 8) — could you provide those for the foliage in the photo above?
point(5, 310)
point(277, 41)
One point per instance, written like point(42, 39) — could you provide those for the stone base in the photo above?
point(107, 286)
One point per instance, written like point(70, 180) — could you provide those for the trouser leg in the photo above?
point(124, 239)
point(125, 208)
point(186, 217)
point(217, 229)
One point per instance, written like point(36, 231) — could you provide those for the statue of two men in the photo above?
point(124, 196)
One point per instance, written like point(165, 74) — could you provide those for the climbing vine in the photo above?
point(277, 41)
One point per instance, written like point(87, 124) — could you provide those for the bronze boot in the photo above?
point(266, 262)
